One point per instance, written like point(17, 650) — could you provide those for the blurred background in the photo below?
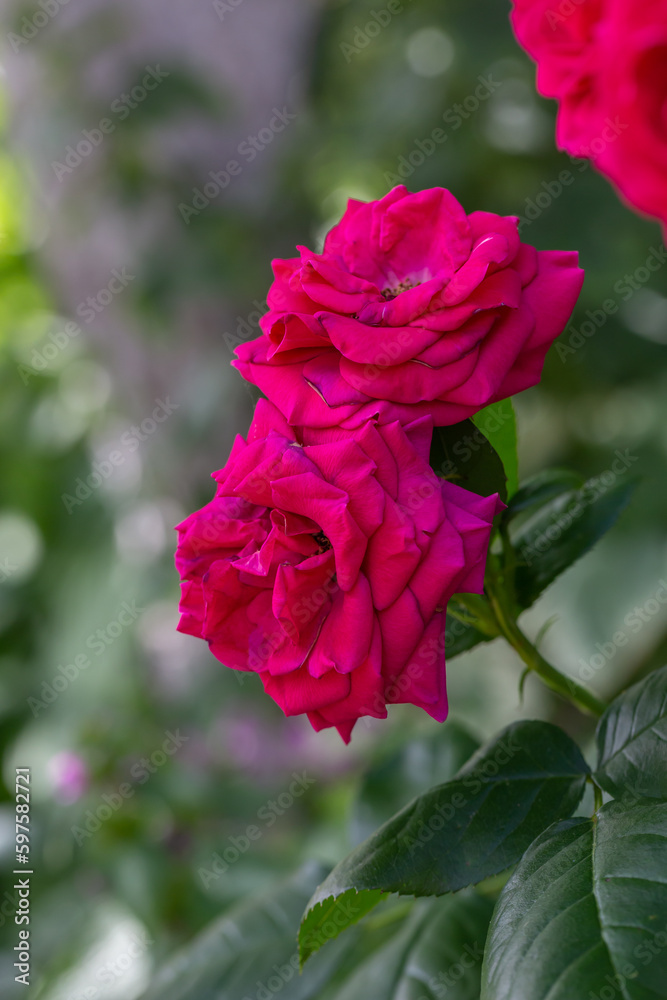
point(132, 262)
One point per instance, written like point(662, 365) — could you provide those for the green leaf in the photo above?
point(462, 454)
point(437, 951)
point(632, 741)
point(562, 531)
point(327, 917)
point(236, 955)
point(542, 487)
point(585, 913)
point(497, 423)
point(408, 771)
point(461, 636)
point(466, 829)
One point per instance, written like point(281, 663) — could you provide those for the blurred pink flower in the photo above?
point(605, 62)
point(69, 775)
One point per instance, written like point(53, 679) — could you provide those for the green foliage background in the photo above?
point(359, 113)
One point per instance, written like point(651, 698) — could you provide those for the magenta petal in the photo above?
point(267, 418)
point(402, 627)
point(434, 580)
point(495, 357)
point(472, 516)
point(344, 641)
point(290, 332)
point(322, 376)
point(298, 692)
point(348, 467)
point(423, 682)
point(331, 286)
point(293, 603)
point(419, 433)
point(309, 495)
point(409, 383)
point(375, 345)
point(366, 693)
point(261, 464)
point(392, 557)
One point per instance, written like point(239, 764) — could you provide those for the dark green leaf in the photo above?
point(585, 913)
point(414, 768)
point(632, 741)
point(437, 951)
point(497, 423)
point(246, 948)
point(462, 454)
point(542, 487)
point(562, 531)
point(467, 829)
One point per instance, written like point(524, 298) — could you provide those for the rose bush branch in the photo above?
point(531, 656)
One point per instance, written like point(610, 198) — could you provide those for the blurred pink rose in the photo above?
point(325, 563)
point(605, 62)
point(413, 303)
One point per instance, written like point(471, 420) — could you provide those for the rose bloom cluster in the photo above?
point(326, 559)
point(605, 62)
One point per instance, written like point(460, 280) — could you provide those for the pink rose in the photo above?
point(414, 303)
point(325, 562)
point(605, 61)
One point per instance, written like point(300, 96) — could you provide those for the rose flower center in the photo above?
point(322, 541)
point(391, 293)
